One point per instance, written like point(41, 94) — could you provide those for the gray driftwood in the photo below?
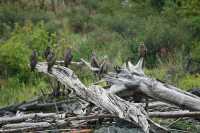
point(24, 127)
point(27, 124)
point(24, 117)
point(174, 114)
point(132, 78)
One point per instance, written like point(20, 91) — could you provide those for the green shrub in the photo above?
point(195, 51)
point(14, 55)
point(15, 52)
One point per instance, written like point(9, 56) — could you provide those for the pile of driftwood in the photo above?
point(131, 96)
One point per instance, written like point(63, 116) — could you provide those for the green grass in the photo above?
point(189, 81)
point(15, 92)
point(158, 73)
point(184, 124)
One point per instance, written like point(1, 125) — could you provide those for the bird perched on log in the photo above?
point(94, 62)
point(68, 57)
point(33, 60)
point(142, 50)
point(127, 60)
point(51, 60)
point(195, 91)
point(103, 69)
point(117, 69)
point(47, 52)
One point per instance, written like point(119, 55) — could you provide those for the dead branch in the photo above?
point(175, 114)
point(21, 118)
point(25, 127)
point(94, 69)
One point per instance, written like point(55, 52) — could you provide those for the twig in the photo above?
point(174, 122)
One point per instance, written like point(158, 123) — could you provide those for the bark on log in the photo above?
point(112, 103)
point(174, 114)
point(134, 79)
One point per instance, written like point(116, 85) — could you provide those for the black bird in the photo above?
point(68, 57)
point(51, 60)
point(117, 69)
point(56, 91)
point(195, 91)
point(33, 60)
point(94, 62)
point(47, 52)
point(103, 69)
point(142, 50)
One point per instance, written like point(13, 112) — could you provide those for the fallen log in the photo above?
point(24, 127)
point(27, 124)
point(41, 106)
point(24, 117)
point(15, 107)
point(21, 130)
point(95, 116)
point(160, 104)
point(174, 114)
point(133, 79)
point(68, 130)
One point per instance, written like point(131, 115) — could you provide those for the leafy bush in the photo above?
point(14, 55)
point(15, 52)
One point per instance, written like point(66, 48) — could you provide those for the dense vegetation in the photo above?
point(169, 28)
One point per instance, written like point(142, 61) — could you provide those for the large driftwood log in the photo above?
point(133, 79)
point(112, 103)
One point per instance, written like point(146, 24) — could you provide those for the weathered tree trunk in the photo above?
point(133, 79)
